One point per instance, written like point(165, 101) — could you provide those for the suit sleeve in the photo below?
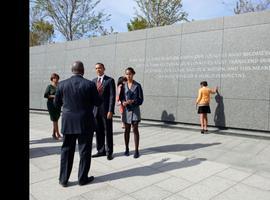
point(139, 100)
point(58, 99)
point(112, 96)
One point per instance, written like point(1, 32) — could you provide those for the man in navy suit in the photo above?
point(78, 96)
point(104, 113)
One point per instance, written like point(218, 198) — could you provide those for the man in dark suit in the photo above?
point(78, 96)
point(104, 113)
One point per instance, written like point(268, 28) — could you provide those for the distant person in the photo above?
point(203, 103)
point(104, 113)
point(78, 96)
point(121, 81)
point(131, 98)
point(53, 111)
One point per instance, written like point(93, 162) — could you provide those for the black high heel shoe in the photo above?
point(136, 154)
point(202, 131)
point(126, 152)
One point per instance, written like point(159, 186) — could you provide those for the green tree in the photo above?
point(136, 24)
point(161, 12)
point(74, 19)
point(41, 32)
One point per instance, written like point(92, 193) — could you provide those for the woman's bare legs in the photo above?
point(205, 121)
point(56, 130)
point(202, 121)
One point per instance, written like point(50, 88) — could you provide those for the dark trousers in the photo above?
point(104, 130)
point(67, 155)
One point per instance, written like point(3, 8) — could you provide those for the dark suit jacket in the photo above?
point(78, 96)
point(108, 95)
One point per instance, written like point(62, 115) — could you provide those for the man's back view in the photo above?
point(78, 96)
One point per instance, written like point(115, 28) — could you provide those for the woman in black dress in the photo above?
point(131, 98)
point(53, 111)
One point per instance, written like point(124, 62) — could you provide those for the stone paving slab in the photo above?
point(174, 164)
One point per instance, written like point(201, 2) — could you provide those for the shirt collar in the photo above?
point(102, 77)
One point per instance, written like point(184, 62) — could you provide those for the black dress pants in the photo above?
point(104, 131)
point(67, 155)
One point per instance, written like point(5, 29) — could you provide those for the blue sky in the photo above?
point(123, 10)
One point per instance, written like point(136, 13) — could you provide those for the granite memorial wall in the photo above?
point(232, 53)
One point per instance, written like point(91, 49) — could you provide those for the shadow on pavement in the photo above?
point(150, 169)
point(45, 140)
point(49, 150)
point(180, 147)
point(170, 148)
point(44, 151)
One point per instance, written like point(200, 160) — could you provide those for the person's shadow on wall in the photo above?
point(167, 118)
point(219, 117)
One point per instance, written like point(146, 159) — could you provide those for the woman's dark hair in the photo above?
point(131, 70)
point(204, 83)
point(121, 79)
point(54, 75)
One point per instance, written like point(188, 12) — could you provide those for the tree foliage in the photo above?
point(74, 19)
point(136, 24)
point(41, 32)
point(161, 12)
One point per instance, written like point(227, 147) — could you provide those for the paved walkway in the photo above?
point(175, 164)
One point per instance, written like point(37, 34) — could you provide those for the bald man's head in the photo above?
point(77, 68)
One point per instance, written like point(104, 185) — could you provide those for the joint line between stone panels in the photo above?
point(145, 52)
point(245, 99)
point(243, 140)
point(222, 47)
point(247, 26)
point(122, 195)
point(31, 194)
point(159, 96)
point(223, 28)
point(128, 41)
point(45, 64)
point(114, 59)
point(65, 61)
point(177, 94)
point(153, 184)
point(36, 53)
point(101, 44)
point(46, 179)
point(71, 49)
point(202, 31)
point(237, 182)
point(196, 183)
point(262, 150)
point(81, 196)
point(166, 36)
point(269, 112)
